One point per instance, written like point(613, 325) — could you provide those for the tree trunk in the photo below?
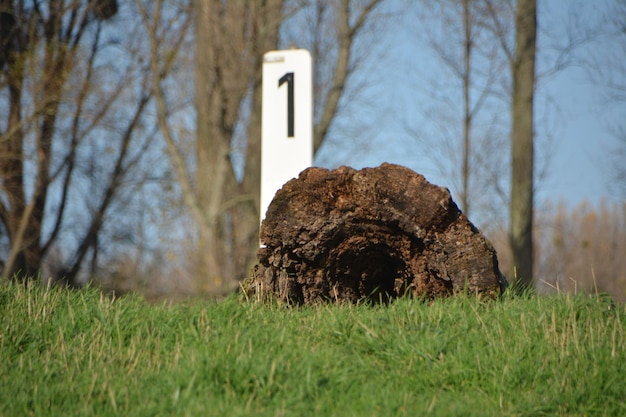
point(213, 140)
point(245, 215)
point(522, 157)
point(231, 40)
point(374, 234)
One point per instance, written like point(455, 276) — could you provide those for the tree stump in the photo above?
point(373, 234)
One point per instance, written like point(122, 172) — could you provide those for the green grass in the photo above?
point(66, 352)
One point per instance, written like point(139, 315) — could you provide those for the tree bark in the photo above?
point(522, 157)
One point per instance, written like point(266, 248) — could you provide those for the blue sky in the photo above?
point(572, 113)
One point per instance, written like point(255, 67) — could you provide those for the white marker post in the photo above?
point(287, 124)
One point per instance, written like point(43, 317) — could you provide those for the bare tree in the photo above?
point(530, 157)
point(76, 147)
point(50, 38)
point(461, 35)
point(231, 39)
point(223, 199)
point(522, 141)
point(351, 20)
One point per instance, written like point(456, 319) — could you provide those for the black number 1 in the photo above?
point(288, 77)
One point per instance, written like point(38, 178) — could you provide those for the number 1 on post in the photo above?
point(289, 79)
point(287, 125)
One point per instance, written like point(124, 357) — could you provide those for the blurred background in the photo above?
point(130, 130)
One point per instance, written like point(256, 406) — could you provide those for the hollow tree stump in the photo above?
point(377, 234)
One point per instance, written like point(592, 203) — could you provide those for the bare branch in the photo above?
point(111, 189)
point(176, 157)
point(346, 37)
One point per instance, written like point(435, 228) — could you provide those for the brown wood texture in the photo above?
point(373, 234)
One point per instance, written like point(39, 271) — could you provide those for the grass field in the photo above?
point(81, 353)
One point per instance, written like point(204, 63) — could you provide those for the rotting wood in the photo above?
point(374, 234)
